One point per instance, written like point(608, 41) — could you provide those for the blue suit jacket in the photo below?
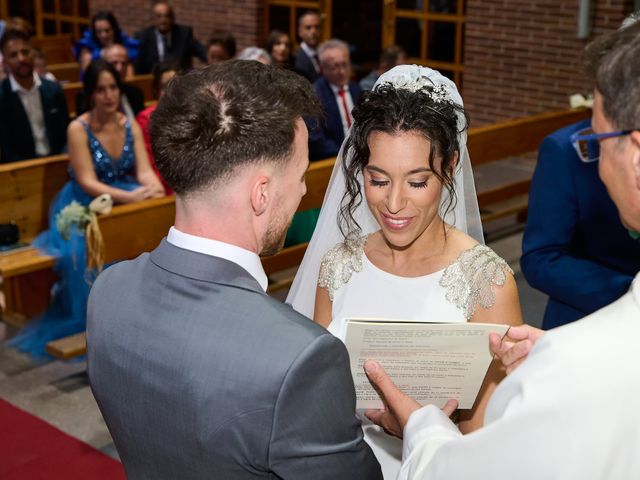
point(16, 138)
point(326, 135)
point(575, 249)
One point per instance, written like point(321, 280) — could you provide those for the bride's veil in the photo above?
point(465, 216)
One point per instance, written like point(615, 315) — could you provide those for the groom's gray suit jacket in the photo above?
point(200, 374)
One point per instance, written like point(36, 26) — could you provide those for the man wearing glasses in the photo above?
point(575, 248)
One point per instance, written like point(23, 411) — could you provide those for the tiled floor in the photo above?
point(58, 392)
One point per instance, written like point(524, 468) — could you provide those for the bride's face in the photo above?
point(401, 190)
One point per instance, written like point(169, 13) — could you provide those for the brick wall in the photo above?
point(242, 17)
point(522, 57)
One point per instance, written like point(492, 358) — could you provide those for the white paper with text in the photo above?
point(431, 362)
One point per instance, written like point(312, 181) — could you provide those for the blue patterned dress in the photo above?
point(66, 314)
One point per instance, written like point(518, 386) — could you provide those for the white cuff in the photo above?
point(427, 430)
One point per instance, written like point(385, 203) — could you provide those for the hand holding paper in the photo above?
point(398, 407)
point(514, 347)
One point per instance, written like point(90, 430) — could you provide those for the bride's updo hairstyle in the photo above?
point(388, 109)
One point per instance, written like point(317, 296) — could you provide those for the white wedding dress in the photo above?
point(360, 289)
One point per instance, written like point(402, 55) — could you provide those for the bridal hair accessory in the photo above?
point(416, 78)
point(437, 93)
point(85, 219)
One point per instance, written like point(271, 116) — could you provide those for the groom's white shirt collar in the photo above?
point(250, 261)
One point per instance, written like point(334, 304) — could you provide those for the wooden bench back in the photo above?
point(511, 139)
point(56, 48)
point(132, 229)
point(516, 137)
point(65, 72)
point(27, 189)
point(143, 82)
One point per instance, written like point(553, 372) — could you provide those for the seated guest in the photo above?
point(106, 155)
point(40, 65)
point(162, 73)
point(337, 95)
point(132, 98)
point(12, 23)
point(166, 40)
point(103, 33)
point(390, 57)
point(221, 47)
point(279, 48)
point(33, 110)
point(575, 248)
point(255, 53)
point(307, 62)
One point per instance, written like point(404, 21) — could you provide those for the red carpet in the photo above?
point(31, 449)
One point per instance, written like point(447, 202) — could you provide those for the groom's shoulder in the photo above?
point(282, 315)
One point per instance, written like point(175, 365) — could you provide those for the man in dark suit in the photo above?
point(575, 248)
point(132, 97)
point(337, 96)
point(197, 371)
point(33, 112)
point(167, 40)
point(307, 62)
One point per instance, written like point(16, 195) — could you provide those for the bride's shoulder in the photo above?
point(340, 263)
point(470, 278)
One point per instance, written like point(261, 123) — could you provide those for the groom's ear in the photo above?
point(260, 194)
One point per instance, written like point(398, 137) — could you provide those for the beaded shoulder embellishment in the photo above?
point(340, 263)
point(468, 280)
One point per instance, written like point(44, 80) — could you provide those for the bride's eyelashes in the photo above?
point(378, 183)
point(384, 183)
point(419, 184)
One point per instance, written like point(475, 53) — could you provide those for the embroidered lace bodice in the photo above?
point(466, 283)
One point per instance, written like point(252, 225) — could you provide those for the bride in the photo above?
point(399, 234)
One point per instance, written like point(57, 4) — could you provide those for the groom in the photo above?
point(197, 372)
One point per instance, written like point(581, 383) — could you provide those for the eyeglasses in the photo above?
point(586, 143)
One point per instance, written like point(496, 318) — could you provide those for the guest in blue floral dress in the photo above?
point(107, 155)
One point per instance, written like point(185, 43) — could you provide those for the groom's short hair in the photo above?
point(214, 120)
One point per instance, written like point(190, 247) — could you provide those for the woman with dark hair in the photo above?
point(163, 72)
point(104, 32)
point(407, 242)
point(279, 47)
point(106, 156)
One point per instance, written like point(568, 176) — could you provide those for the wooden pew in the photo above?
point(56, 48)
point(65, 72)
point(27, 189)
point(511, 139)
point(143, 82)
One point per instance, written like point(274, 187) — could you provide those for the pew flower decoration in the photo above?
point(79, 216)
point(85, 219)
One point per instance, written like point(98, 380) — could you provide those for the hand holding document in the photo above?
point(430, 362)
